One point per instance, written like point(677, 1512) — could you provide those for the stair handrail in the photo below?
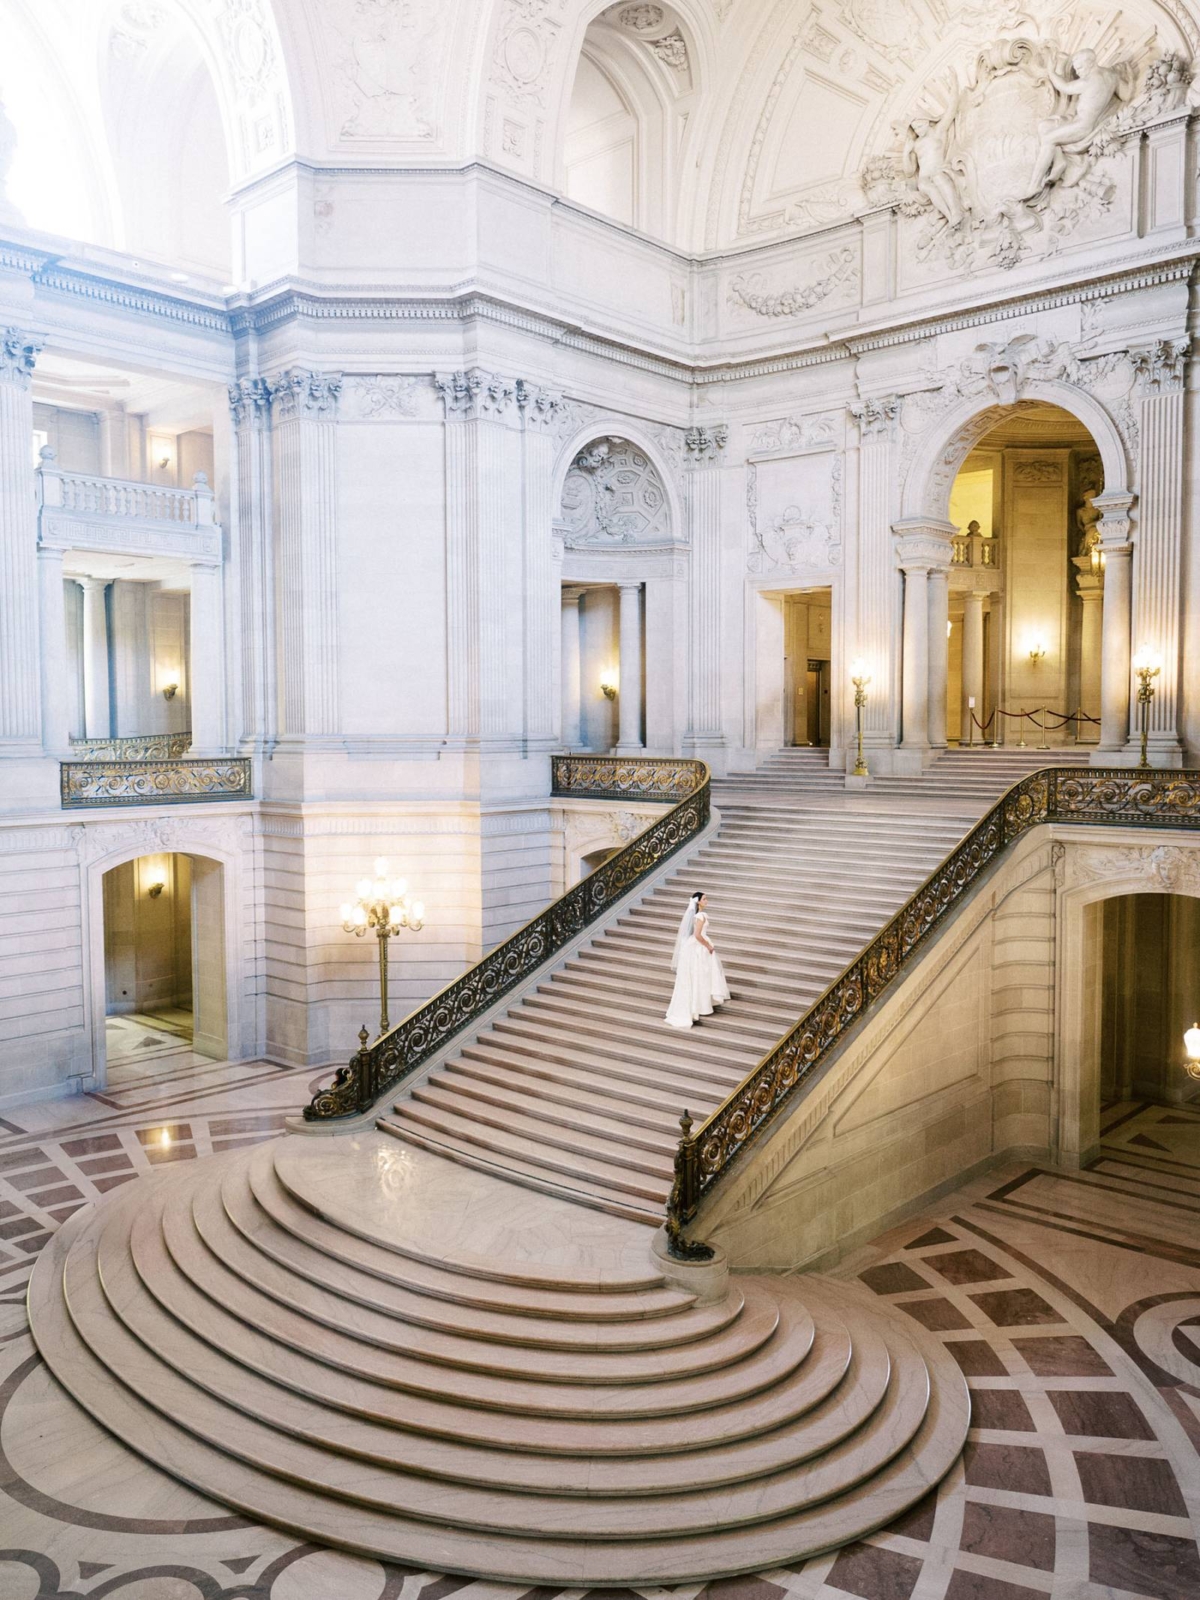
point(377, 1068)
point(1113, 796)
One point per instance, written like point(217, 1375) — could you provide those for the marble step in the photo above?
point(577, 1011)
point(580, 1114)
point(651, 999)
point(615, 1081)
point(704, 1061)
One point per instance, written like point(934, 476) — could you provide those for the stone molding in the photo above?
point(1116, 522)
point(924, 544)
point(876, 416)
point(473, 394)
point(703, 446)
point(541, 408)
point(1162, 868)
point(18, 355)
point(1159, 368)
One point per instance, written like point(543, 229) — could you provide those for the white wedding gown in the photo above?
point(700, 981)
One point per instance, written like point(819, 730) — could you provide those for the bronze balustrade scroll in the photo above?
point(139, 783)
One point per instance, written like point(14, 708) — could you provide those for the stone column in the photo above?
point(572, 688)
point(939, 651)
point(877, 590)
point(1114, 531)
point(206, 677)
point(252, 536)
point(96, 687)
point(304, 412)
point(972, 666)
point(52, 617)
point(114, 442)
point(704, 448)
point(1156, 622)
point(539, 411)
point(923, 548)
point(629, 695)
point(1089, 581)
point(20, 678)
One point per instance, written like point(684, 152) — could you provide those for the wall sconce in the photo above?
point(609, 684)
point(1191, 1046)
point(1037, 652)
point(170, 690)
point(156, 889)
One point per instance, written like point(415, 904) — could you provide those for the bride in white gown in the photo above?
point(699, 979)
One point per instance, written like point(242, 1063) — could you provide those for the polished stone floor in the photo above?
point(1071, 1301)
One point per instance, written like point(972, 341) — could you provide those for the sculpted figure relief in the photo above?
point(927, 165)
point(1096, 91)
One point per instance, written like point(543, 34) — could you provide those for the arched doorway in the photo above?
point(1026, 583)
point(164, 991)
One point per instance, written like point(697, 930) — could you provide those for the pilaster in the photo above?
point(253, 537)
point(20, 687)
point(539, 410)
point(876, 591)
point(1114, 529)
point(704, 451)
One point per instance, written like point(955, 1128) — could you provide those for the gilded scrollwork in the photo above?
point(129, 783)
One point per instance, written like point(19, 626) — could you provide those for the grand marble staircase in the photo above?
point(383, 1351)
point(578, 1088)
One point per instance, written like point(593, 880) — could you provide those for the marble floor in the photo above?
point(139, 1044)
point(1071, 1302)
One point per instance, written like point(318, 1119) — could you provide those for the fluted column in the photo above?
point(20, 678)
point(872, 566)
point(629, 700)
point(206, 680)
point(304, 411)
point(972, 665)
point(539, 410)
point(1114, 530)
point(253, 537)
point(52, 614)
point(96, 681)
point(923, 548)
point(572, 687)
point(1155, 600)
point(704, 448)
point(939, 647)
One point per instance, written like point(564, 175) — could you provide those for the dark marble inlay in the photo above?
point(56, 1197)
point(175, 1131)
point(1015, 1308)
point(104, 1184)
point(1000, 1408)
point(1024, 1537)
point(1147, 1563)
point(14, 1160)
point(1062, 1356)
point(917, 1521)
point(936, 1315)
point(113, 1163)
point(19, 1225)
point(874, 1573)
point(974, 1586)
point(934, 1236)
point(748, 1588)
point(1134, 1482)
point(966, 1266)
point(977, 1358)
point(1100, 1414)
point(893, 1278)
point(157, 1154)
point(1018, 1467)
point(94, 1144)
point(25, 1181)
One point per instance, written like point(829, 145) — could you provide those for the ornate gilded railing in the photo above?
point(140, 747)
point(377, 1068)
point(1091, 795)
point(139, 783)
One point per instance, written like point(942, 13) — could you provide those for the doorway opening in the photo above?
point(808, 656)
point(1026, 585)
point(164, 965)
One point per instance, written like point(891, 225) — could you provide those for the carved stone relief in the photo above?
point(1170, 869)
point(385, 61)
point(794, 433)
point(613, 495)
point(794, 513)
point(382, 399)
point(1011, 151)
point(1037, 474)
point(836, 273)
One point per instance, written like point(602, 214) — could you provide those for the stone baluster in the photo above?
point(629, 697)
point(20, 678)
point(704, 451)
point(304, 426)
point(572, 686)
point(1114, 531)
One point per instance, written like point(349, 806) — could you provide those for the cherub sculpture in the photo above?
point(1095, 90)
point(926, 165)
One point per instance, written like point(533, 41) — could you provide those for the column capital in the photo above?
point(704, 446)
point(924, 544)
point(540, 407)
point(310, 396)
point(626, 584)
point(18, 354)
point(876, 415)
point(573, 593)
point(1115, 525)
point(91, 585)
point(250, 402)
point(474, 393)
point(1158, 367)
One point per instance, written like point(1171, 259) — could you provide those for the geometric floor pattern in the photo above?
point(1071, 1301)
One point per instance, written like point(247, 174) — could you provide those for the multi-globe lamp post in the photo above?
point(1147, 664)
point(383, 907)
point(860, 677)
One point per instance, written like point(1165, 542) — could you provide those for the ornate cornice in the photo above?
point(18, 354)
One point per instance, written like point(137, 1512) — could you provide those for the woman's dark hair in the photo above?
point(698, 894)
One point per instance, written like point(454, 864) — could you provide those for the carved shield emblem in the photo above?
point(997, 131)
